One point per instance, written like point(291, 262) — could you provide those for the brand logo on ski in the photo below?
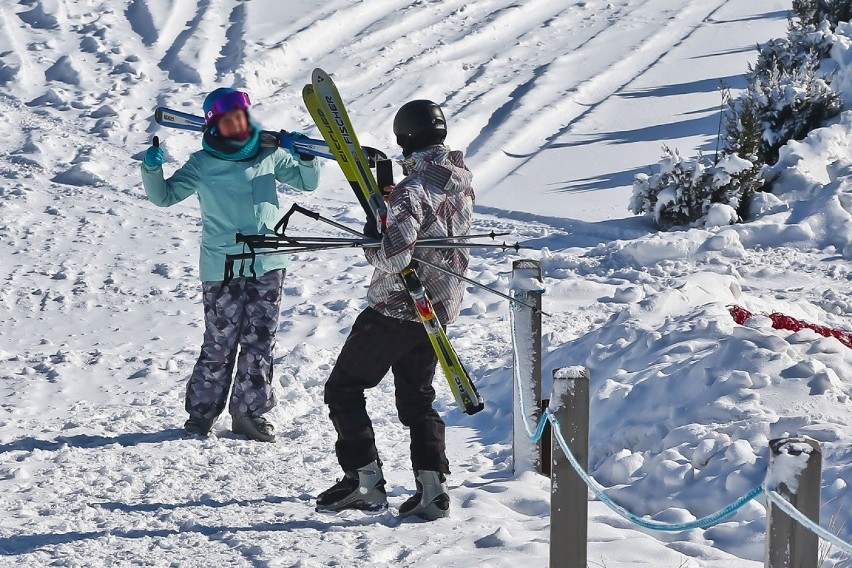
point(328, 134)
point(341, 124)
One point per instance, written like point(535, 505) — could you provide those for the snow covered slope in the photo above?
point(557, 104)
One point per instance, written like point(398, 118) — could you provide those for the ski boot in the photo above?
point(362, 489)
point(431, 501)
point(254, 427)
point(197, 426)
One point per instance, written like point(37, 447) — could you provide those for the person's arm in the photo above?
point(166, 192)
point(298, 173)
point(405, 215)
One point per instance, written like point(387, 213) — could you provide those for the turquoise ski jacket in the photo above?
point(235, 197)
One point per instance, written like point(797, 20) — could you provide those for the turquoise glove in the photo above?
point(154, 157)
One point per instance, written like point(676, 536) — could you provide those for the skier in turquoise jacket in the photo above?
point(235, 179)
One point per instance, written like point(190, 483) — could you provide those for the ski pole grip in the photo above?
point(156, 141)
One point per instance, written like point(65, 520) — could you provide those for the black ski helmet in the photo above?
point(419, 124)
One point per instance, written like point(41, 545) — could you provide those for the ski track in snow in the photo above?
point(568, 106)
point(102, 316)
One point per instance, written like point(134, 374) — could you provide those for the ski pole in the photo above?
point(294, 248)
point(483, 286)
point(490, 235)
point(299, 242)
point(269, 241)
point(452, 245)
point(251, 255)
point(262, 241)
point(281, 226)
point(231, 258)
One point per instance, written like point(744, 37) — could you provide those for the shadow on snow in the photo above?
point(87, 441)
point(24, 544)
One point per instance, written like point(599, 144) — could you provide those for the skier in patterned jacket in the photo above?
point(435, 199)
point(235, 181)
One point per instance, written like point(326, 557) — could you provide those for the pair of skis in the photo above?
point(326, 107)
point(301, 144)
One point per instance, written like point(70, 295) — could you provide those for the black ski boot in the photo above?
point(432, 501)
point(362, 489)
point(197, 426)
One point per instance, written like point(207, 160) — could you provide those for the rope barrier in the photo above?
point(534, 436)
point(598, 489)
point(799, 517)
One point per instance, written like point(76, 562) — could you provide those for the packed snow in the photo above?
point(557, 105)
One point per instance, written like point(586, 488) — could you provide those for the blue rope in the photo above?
point(534, 435)
point(598, 490)
point(797, 515)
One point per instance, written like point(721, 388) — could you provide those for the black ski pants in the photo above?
point(376, 344)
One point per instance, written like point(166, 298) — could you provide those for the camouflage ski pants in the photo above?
point(241, 316)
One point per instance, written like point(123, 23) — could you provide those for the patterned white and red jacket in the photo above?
point(435, 199)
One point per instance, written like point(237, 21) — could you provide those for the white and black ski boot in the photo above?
point(362, 489)
point(432, 500)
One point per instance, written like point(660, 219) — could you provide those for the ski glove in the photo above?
point(154, 157)
point(370, 230)
point(288, 138)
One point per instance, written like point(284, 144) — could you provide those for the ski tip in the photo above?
point(471, 409)
point(158, 115)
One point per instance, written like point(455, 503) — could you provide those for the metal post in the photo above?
point(569, 498)
point(527, 287)
point(788, 543)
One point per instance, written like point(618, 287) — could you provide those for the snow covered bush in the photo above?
point(782, 105)
point(813, 12)
point(686, 189)
point(789, 53)
point(788, 94)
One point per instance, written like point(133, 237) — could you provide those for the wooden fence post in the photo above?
point(788, 543)
point(527, 287)
point(569, 498)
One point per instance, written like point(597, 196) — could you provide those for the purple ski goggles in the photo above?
point(226, 103)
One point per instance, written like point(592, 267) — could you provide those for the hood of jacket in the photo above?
point(441, 168)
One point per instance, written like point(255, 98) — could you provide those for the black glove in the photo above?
point(370, 230)
point(306, 157)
